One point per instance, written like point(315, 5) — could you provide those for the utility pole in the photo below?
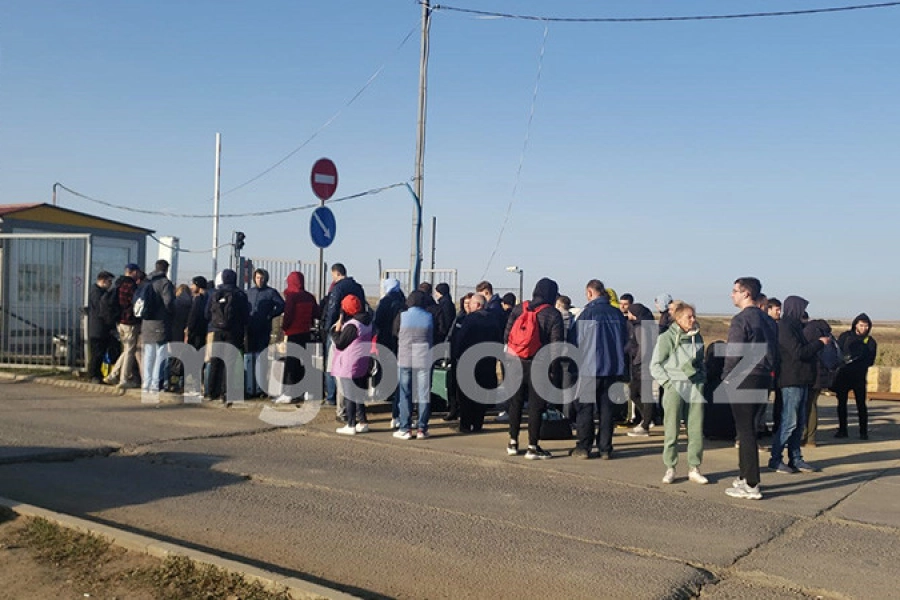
point(215, 237)
point(419, 180)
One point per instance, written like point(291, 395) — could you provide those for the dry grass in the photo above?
point(887, 334)
point(91, 563)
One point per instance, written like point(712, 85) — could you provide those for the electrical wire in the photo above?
point(262, 213)
point(327, 123)
point(512, 199)
point(721, 17)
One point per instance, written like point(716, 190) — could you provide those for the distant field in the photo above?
point(887, 334)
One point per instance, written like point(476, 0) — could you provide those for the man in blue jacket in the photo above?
point(600, 332)
point(265, 304)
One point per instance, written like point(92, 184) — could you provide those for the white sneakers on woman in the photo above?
point(693, 475)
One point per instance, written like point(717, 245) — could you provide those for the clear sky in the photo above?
point(661, 157)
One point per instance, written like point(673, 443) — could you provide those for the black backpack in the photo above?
point(146, 301)
point(221, 311)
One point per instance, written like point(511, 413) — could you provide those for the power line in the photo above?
point(262, 213)
point(753, 15)
point(512, 199)
point(327, 123)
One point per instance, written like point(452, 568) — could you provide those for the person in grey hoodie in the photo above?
point(415, 336)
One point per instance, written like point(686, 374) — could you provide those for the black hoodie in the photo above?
point(859, 351)
point(798, 356)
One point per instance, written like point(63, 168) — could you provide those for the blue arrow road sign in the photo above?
point(322, 227)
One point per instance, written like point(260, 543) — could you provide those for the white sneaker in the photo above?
point(283, 399)
point(346, 430)
point(669, 477)
point(744, 491)
point(738, 482)
point(695, 476)
point(362, 428)
point(395, 423)
point(502, 417)
point(638, 432)
point(402, 435)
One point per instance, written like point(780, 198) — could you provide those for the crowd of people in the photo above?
point(611, 362)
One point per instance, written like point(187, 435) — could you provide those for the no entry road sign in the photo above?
point(324, 179)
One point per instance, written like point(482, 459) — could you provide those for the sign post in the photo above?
point(322, 225)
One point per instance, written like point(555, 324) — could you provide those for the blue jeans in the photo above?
point(421, 393)
point(793, 421)
point(154, 357)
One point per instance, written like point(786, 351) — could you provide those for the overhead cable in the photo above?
point(325, 125)
point(512, 199)
point(722, 17)
point(262, 213)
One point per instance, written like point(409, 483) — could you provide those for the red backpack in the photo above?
point(524, 336)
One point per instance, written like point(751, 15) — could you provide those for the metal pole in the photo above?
point(55, 185)
point(433, 233)
point(521, 285)
point(215, 236)
point(416, 254)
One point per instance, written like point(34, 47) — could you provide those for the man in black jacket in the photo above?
point(102, 313)
point(859, 350)
point(753, 343)
point(478, 327)
point(797, 373)
point(228, 314)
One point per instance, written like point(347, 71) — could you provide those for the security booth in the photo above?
point(49, 258)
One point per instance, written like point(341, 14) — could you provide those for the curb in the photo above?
point(297, 588)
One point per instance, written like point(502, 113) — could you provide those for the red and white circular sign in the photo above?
point(324, 179)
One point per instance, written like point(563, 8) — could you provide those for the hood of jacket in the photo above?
point(296, 282)
point(794, 307)
point(229, 277)
point(864, 318)
point(641, 312)
point(388, 285)
point(545, 292)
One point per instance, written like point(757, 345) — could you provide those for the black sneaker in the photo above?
point(537, 453)
point(580, 453)
point(840, 434)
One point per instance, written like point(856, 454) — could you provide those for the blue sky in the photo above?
point(661, 156)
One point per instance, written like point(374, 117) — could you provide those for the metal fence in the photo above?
point(44, 283)
point(280, 268)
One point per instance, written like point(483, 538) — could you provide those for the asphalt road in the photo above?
point(452, 516)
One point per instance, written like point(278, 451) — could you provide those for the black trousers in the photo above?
point(842, 390)
point(536, 406)
point(647, 408)
point(98, 348)
point(218, 369)
point(748, 453)
point(294, 371)
point(589, 407)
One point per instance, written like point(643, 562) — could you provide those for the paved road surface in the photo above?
point(454, 517)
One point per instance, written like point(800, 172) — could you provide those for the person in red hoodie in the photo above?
point(300, 310)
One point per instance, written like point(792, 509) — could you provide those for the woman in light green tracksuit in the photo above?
point(678, 366)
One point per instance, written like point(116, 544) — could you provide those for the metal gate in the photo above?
point(44, 284)
point(433, 276)
point(280, 268)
